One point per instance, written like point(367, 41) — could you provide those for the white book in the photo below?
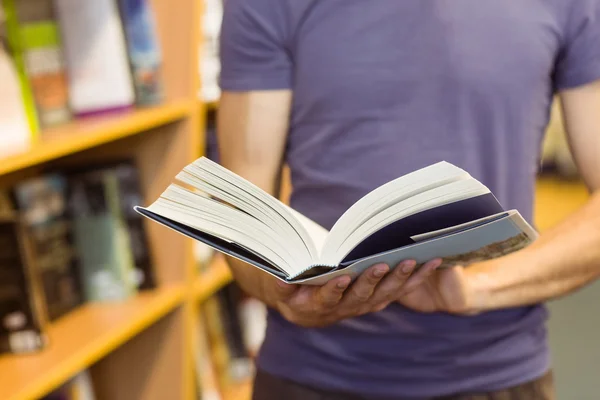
point(436, 212)
point(15, 135)
point(96, 55)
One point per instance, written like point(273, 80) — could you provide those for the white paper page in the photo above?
point(450, 193)
point(244, 202)
point(208, 209)
point(317, 233)
point(241, 183)
point(247, 237)
point(387, 195)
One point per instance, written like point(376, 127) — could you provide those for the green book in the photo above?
point(101, 237)
point(34, 40)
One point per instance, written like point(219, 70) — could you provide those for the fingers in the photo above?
point(364, 287)
point(420, 276)
point(390, 286)
point(330, 294)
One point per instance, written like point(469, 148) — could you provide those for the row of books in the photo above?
point(71, 58)
point(69, 237)
point(229, 334)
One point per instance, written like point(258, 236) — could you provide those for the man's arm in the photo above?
point(252, 130)
point(567, 257)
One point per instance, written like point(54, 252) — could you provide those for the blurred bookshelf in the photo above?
point(82, 338)
point(78, 135)
point(139, 346)
point(189, 333)
point(215, 277)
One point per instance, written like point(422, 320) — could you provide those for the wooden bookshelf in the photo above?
point(138, 349)
point(240, 391)
point(91, 132)
point(216, 276)
point(556, 199)
point(80, 339)
point(143, 349)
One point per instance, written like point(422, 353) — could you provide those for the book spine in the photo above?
point(219, 350)
point(14, 42)
point(100, 237)
point(43, 205)
point(129, 196)
point(96, 56)
point(144, 51)
point(14, 121)
point(22, 321)
point(44, 65)
point(125, 267)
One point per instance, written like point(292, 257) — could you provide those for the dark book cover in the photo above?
point(21, 316)
point(43, 205)
point(130, 195)
point(100, 236)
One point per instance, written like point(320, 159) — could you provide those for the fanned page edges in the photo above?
point(411, 213)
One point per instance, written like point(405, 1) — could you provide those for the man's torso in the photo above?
point(382, 88)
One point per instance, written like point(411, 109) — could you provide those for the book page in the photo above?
point(217, 175)
point(386, 196)
point(452, 192)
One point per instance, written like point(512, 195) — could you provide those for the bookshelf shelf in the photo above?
point(240, 391)
point(90, 132)
point(216, 276)
point(80, 339)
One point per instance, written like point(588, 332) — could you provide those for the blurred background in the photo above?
point(101, 103)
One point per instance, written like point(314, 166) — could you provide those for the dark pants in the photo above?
point(269, 387)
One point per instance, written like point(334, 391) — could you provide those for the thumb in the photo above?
point(284, 290)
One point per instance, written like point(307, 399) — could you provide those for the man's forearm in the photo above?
point(253, 281)
point(561, 261)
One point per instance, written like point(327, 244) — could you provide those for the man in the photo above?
point(352, 94)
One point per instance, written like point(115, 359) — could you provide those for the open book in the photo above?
point(437, 211)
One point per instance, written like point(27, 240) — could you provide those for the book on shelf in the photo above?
point(99, 76)
point(36, 39)
point(22, 317)
point(439, 211)
point(129, 195)
point(42, 202)
point(231, 360)
point(14, 47)
point(240, 367)
point(207, 383)
point(14, 122)
point(101, 234)
point(209, 65)
point(145, 56)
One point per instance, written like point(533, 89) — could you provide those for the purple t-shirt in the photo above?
point(382, 88)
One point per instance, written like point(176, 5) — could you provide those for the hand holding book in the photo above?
point(314, 306)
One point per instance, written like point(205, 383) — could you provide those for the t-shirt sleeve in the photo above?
point(253, 46)
point(578, 62)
